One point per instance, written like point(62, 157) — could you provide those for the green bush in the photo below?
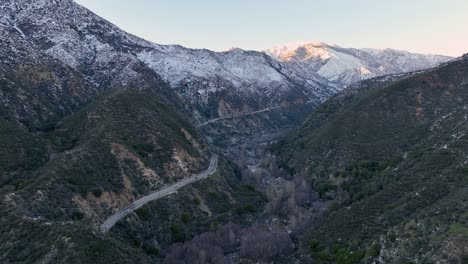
point(314, 245)
point(345, 256)
point(177, 232)
point(459, 229)
point(143, 149)
point(186, 217)
point(152, 251)
point(249, 208)
point(136, 243)
point(97, 192)
point(374, 250)
point(97, 248)
point(143, 212)
point(324, 255)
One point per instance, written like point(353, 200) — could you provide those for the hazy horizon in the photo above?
point(431, 27)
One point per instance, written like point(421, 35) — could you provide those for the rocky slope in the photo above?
point(87, 128)
point(59, 184)
point(205, 84)
point(211, 84)
point(345, 66)
point(392, 156)
point(92, 118)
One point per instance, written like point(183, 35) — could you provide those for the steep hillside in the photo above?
point(59, 185)
point(208, 84)
point(211, 84)
point(392, 155)
point(345, 66)
point(93, 118)
point(87, 128)
point(205, 84)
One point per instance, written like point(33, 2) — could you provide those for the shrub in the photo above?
point(97, 192)
point(152, 251)
point(136, 243)
point(343, 256)
point(324, 255)
point(249, 208)
point(97, 248)
point(459, 229)
point(143, 149)
point(314, 245)
point(176, 231)
point(186, 217)
point(143, 212)
point(374, 250)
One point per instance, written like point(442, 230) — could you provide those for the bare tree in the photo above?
point(206, 248)
point(261, 242)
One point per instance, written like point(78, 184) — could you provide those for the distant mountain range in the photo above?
point(212, 84)
point(107, 56)
point(345, 66)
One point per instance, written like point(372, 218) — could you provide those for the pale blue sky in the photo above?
point(426, 26)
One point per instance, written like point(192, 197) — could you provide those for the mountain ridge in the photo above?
point(391, 154)
point(109, 56)
point(346, 66)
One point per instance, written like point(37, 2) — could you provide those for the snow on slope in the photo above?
point(345, 66)
point(109, 56)
point(282, 51)
point(176, 64)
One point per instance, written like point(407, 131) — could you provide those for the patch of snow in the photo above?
point(345, 66)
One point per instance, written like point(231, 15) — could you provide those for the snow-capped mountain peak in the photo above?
point(108, 56)
point(345, 66)
point(283, 51)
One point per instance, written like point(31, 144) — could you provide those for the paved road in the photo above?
point(110, 222)
point(246, 114)
point(241, 115)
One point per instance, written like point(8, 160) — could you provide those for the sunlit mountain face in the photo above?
point(345, 66)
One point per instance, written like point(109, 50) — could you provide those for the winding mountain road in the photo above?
point(241, 115)
point(245, 114)
point(110, 222)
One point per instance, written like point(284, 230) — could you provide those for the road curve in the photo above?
point(110, 222)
